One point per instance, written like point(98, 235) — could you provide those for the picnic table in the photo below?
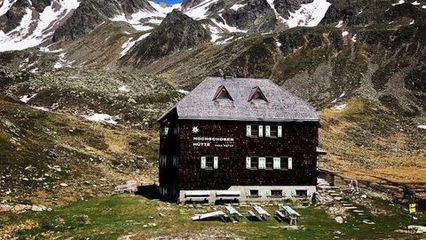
point(289, 213)
point(233, 212)
point(262, 212)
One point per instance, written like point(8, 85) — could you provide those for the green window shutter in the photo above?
point(215, 162)
point(203, 162)
point(267, 131)
point(277, 163)
point(262, 163)
point(248, 162)
point(260, 130)
point(290, 163)
point(248, 130)
point(280, 131)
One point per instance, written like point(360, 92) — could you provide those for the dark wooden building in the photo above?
point(238, 138)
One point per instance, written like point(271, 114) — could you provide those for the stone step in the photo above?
point(350, 208)
point(367, 221)
point(358, 211)
point(338, 198)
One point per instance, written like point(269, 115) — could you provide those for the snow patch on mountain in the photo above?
point(199, 11)
point(237, 6)
point(144, 19)
point(100, 117)
point(308, 15)
point(35, 27)
point(227, 27)
point(129, 44)
point(163, 9)
point(7, 4)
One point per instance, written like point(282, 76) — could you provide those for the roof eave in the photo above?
point(248, 119)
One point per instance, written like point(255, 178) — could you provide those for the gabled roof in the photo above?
point(222, 93)
point(256, 93)
point(280, 105)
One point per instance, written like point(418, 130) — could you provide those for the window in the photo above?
point(163, 160)
point(176, 130)
point(284, 163)
point(273, 131)
point(209, 162)
point(276, 193)
point(222, 93)
point(301, 193)
point(254, 130)
point(254, 162)
point(164, 130)
point(175, 161)
point(277, 163)
point(269, 163)
point(257, 94)
point(254, 193)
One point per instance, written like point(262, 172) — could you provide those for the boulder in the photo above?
point(131, 186)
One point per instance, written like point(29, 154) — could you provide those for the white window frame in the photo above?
point(268, 131)
point(280, 131)
point(203, 162)
point(290, 163)
point(215, 162)
point(248, 130)
point(260, 131)
point(277, 163)
point(261, 162)
point(248, 162)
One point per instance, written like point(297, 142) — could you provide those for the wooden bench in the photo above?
point(253, 216)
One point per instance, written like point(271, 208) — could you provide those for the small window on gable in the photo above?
point(257, 94)
point(222, 93)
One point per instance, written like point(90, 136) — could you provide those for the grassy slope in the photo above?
point(111, 217)
point(369, 142)
point(92, 157)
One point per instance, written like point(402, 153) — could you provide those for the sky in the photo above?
point(168, 1)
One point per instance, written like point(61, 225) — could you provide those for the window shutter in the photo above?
point(280, 131)
point(248, 162)
point(290, 163)
point(215, 162)
point(248, 130)
point(203, 162)
point(260, 130)
point(277, 163)
point(267, 131)
point(262, 163)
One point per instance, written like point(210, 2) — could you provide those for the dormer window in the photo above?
point(222, 93)
point(257, 94)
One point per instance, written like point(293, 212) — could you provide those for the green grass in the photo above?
point(114, 216)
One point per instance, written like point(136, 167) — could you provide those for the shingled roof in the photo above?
point(280, 105)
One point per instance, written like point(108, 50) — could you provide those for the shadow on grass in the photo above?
point(149, 191)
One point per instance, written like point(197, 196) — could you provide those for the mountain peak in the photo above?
point(176, 32)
